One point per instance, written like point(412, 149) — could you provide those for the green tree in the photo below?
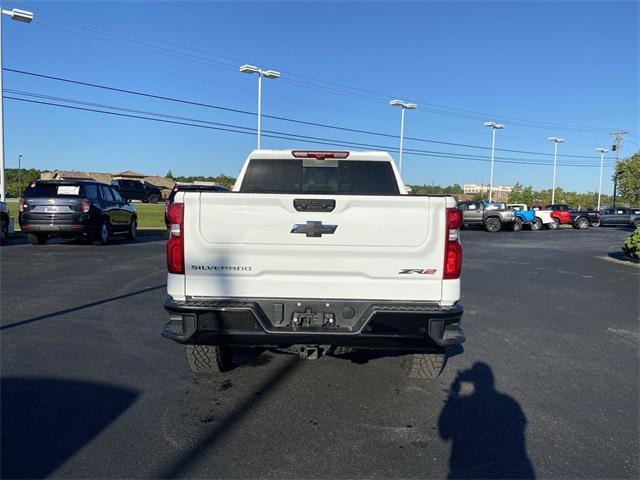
point(169, 175)
point(516, 194)
point(628, 173)
point(14, 187)
point(528, 195)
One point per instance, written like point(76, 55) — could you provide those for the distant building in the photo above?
point(165, 184)
point(500, 192)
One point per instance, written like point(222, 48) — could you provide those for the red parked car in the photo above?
point(561, 212)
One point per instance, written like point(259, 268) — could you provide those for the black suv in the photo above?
point(135, 190)
point(75, 209)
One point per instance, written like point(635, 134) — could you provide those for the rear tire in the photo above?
point(209, 359)
point(517, 225)
point(536, 225)
point(581, 223)
point(424, 365)
point(37, 239)
point(153, 198)
point(4, 229)
point(492, 225)
point(132, 234)
point(103, 232)
point(554, 225)
point(636, 223)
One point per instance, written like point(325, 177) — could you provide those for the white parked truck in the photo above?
point(314, 252)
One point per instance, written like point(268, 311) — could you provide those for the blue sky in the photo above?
point(543, 68)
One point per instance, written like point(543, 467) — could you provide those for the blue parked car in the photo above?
point(525, 216)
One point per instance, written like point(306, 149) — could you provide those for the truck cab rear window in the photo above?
point(341, 177)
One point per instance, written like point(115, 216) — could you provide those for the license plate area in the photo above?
point(312, 319)
point(314, 316)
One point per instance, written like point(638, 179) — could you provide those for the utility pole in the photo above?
point(403, 106)
point(619, 134)
point(19, 175)
point(20, 16)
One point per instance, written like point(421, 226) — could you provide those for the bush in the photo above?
point(631, 246)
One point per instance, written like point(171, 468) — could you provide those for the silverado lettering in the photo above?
point(220, 268)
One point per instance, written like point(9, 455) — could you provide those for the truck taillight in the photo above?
point(175, 244)
point(85, 205)
point(453, 249)
point(21, 204)
point(318, 154)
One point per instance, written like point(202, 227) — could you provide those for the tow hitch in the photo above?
point(312, 352)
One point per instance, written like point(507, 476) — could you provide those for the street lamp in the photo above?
point(19, 175)
point(494, 126)
point(404, 106)
point(20, 16)
point(267, 73)
point(602, 152)
point(555, 141)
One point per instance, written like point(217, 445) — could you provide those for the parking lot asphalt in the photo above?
point(548, 385)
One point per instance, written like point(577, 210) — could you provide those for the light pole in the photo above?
point(19, 175)
point(602, 152)
point(555, 141)
point(267, 73)
point(404, 106)
point(494, 126)
point(20, 16)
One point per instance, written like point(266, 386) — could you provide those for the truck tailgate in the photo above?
point(383, 247)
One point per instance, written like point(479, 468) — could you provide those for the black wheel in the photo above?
point(209, 359)
point(517, 225)
point(636, 223)
point(103, 232)
point(4, 229)
point(153, 198)
point(554, 225)
point(133, 229)
point(423, 365)
point(37, 239)
point(536, 225)
point(581, 223)
point(493, 225)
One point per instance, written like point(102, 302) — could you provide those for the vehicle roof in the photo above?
point(194, 187)
point(65, 182)
point(373, 155)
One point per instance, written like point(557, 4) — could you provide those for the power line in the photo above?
point(279, 135)
point(275, 117)
point(308, 82)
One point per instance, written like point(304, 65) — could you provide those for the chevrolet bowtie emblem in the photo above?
point(313, 229)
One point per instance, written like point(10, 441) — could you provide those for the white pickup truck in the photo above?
point(314, 252)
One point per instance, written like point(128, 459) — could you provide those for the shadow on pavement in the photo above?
point(45, 421)
point(365, 356)
point(80, 307)
point(178, 466)
point(144, 236)
point(486, 428)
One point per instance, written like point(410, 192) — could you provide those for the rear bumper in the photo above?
point(286, 322)
point(55, 224)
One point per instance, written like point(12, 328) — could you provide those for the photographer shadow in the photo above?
point(486, 428)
